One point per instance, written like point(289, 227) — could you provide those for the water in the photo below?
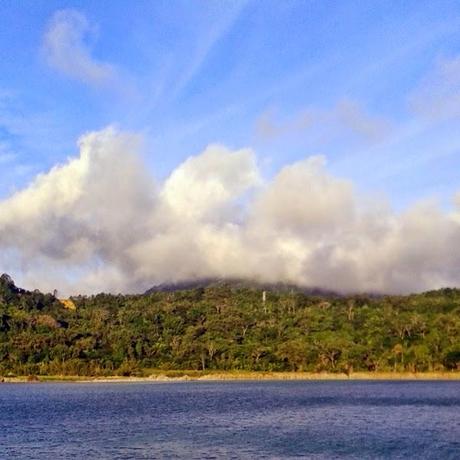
point(272, 420)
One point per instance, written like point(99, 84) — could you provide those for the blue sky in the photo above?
point(373, 86)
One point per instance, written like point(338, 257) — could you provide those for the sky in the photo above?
point(144, 142)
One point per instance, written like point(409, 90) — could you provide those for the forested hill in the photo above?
point(237, 283)
point(227, 328)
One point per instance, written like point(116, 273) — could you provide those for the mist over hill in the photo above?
point(240, 284)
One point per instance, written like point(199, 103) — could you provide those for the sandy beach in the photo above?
point(194, 376)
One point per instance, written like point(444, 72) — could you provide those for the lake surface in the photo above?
point(320, 419)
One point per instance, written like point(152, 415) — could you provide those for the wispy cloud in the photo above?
point(67, 48)
point(347, 116)
point(209, 39)
point(438, 95)
point(269, 127)
point(6, 154)
point(352, 116)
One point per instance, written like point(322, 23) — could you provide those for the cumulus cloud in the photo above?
point(204, 184)
point(101, 222)
point(67, 49)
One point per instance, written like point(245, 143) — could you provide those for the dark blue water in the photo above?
point(231, 420)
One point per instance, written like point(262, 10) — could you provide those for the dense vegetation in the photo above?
point(227, 328)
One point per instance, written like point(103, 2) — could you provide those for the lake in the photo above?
point(293, 419)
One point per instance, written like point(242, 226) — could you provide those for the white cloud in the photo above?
point(88, 207)
point(67, 49)
point(207, 183)
point(100, 222)
point(302, 198)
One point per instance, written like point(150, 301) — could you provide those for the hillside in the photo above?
point(235, 283)
point(225, 327)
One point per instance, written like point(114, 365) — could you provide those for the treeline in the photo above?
point(226, 328)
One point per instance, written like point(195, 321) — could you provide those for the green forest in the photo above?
point(224, 327)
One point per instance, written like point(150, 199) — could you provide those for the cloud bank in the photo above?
point(100, 222)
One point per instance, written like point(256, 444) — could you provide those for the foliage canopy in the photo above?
point(226, 328)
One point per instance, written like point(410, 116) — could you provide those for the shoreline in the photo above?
point(200, 376)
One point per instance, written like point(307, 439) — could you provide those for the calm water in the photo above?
point(231, 420)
